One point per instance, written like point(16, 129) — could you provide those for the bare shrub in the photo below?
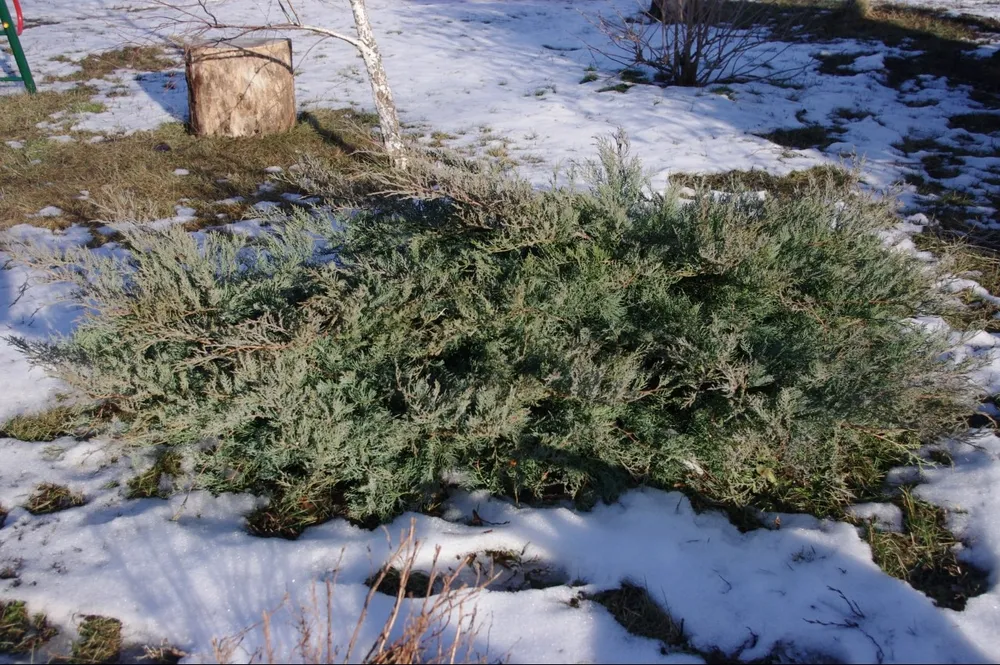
point(698, 42)
point(439, 628)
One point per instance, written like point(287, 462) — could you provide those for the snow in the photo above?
point(984, 8)
point(885, 516)
point(48, 211)
point(184, 570)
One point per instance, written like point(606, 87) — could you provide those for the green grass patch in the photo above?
point(100, 640)
point(21, 632)
point(924, 555)
point(589, 77)
point(618, 87)
point(149, 483)
point(52, 498)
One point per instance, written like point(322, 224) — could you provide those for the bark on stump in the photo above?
point(243, 87)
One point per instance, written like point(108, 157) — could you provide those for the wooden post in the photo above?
point(242, 87)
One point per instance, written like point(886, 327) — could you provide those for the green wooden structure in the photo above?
point(11, 31)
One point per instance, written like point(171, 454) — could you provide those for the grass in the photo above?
point(788, 185)
point(633, 76)
point(619, 87)
point(924, 555)
point(147, 484)
point(850, 114)
point(100, 640)
point(589, 77)
point(976, 123)
point(139, 168)
point(21, 632)
point(974, 260)
point(801, 138)
point(46, 425)
point(838, 64)
point(284, 518)
point(636, 611)
point(415, 583)
point(51, 498)
point(139, 58)
point(724, 91)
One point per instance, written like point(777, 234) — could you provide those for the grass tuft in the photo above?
point(924, 555)
point(288, 517)
point(20, 632)
point(46, 425)
point(51, 498)
point(801, 138)
point(148, 484)
point(633, 608)
point(138, 58)
point(100, 640)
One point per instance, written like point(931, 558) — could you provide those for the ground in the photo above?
point(88, 545)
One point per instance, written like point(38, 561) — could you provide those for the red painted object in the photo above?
point(20, 17)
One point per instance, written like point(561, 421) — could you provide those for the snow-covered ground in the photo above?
point(486, 71)
point(985, 8)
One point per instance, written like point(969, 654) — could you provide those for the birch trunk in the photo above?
point(382, 94)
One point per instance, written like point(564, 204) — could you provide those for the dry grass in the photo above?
point(633, 608)
point(924, 555)
point(133, 176)
point(138, 58)
point(440, 629)
point(51, 498)
point(20, 632)
point(753, 180)
point(149, 483)
point(41, 426)
point(969, 258)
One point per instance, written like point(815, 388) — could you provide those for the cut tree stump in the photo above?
point(242, 87)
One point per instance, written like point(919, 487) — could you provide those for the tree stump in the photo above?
point(242, 87)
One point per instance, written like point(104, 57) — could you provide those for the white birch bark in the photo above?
point(381, 93)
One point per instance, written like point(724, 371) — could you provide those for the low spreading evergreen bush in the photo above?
point(458, 326)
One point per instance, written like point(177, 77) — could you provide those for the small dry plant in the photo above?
point(116, 204)
point(698, 42)
point(439, 628)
